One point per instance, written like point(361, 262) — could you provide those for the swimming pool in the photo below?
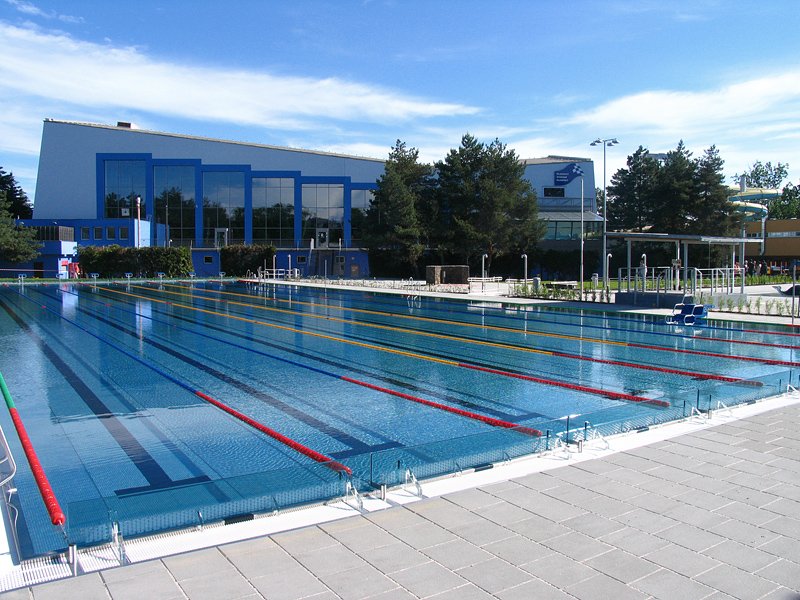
point(159, 406)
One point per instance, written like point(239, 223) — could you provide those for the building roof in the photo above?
point(553, 159)
point(124, 126)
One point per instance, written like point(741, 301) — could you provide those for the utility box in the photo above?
point(452, 274)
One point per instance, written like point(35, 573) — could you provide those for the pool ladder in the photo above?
point(410, 478)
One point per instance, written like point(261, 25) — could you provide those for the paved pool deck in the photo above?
point(708, 508)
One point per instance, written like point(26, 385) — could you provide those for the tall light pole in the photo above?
point(581, 287)
point(138, 221)
point(605, 143)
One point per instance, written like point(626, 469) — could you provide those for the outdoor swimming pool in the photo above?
point(159, 406)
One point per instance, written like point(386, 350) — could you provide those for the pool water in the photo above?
point(124, 389)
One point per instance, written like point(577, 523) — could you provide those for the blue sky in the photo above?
point(545, 77)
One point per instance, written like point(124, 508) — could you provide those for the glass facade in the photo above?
point(124, 181)
point(323, 214)
point(223, 206)
point(273, 211)
point(571, 230)
point(174, 194)
point(359, 203)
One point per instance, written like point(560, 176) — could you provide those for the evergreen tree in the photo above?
point(630, 207)
point(17, 243)
point(712, 213)
point(672, 198)
point(18, 205)
point(486, 205)
point(392, 221)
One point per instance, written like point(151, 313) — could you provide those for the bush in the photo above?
point(115, 261)
point(237, 260)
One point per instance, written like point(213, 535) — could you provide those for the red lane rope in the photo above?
point(313, 454)
point(696, 375)
point(48, 496)
point(763, 361)
point(445, 407)
point(572, 386)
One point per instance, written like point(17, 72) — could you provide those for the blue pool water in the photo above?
point(110, 382)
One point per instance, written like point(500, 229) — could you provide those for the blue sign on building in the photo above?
point(567, 174)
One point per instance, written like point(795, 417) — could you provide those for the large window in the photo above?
point(124, 182)
point(174, 193)
point(323, 214)
point(223, 207)
point(359, 204)
point(273, 211)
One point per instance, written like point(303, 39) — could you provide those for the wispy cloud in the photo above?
point(28, 8)
point(89, 74)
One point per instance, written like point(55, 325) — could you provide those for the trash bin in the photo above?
point(537, 282)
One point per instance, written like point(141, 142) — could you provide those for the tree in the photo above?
point(18, 205)
point(630, 192)
point(764, 175)
point(672, 192)
point(17, 243)
point(712, 212)
point(393, 217)
point(486, 206)
point(787, 205)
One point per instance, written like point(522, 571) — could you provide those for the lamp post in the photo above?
point(483, 266)
point(138, 221)
point(581, 288)
point(605, 143)
point(524, 257)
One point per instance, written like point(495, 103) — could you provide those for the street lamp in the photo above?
point(138, 221)
point(580, 297)
point(483, 266)
point(524, 257)
point(606, 142)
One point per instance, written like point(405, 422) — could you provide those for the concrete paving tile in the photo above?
point(606, 507)
point(704, 500)
point(737, 583)
point(785, 507)
point(668, 585)
point(617, 490)
point(465, 592)
point(744, 557)
point(602, 587)
point(682, 560)
point(749, 496)
point(200, 563)
point(535, 588)
point(18, 594)
point(592, 525)
point(259, 562)
point(457, 554)
point(302, 540)
point(782, 547)
point(477, 498)
point(218, 586)
point(155, 585)
point(328, 560)
point(394, 518)
point(780, 593)
point(423, 535)
point(393, 594)
point(573, 474)
point(494, 575)
point(444, 513)
point(361, 582)
point(784, 572)
point(571, 494)
point(534, 481)
point(690, 537)
point(785, 526)
point(744, 533)
point(556, 510)
point(503, 513)
point(634, 541)
point(394, 557)
point(786, 490)
point(136, 570)
point(288, 584)
point(746, 513)
point(428, 579)
point(85, 587)
point(559, 570)
point(645, 520)
point(672, 474)
point(654, 502)
point(577, 546)
point(691, 515)
point(622, 565)
point(631, 461)
point(517, 550)
point(539, 529)
point(365, 538)
point(669, 489)
point(482, 532)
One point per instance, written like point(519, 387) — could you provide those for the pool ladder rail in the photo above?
point(8, 468)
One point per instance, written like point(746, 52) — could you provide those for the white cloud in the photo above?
point(28, 8)
point(56, 66)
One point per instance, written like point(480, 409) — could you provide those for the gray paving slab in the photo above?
point(710, 515)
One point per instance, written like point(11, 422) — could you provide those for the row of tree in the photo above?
point(475, 202)
point(17, 244)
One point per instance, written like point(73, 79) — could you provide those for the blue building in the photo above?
point(131, 187)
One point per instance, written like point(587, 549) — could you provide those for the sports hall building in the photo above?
point(105, 184)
